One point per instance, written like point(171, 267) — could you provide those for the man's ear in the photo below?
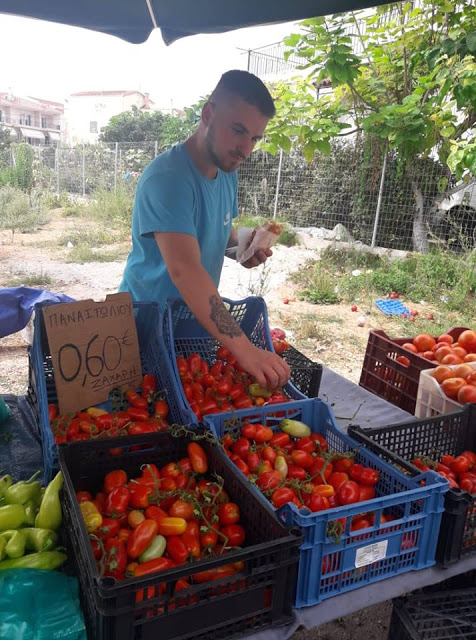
point(207, 113)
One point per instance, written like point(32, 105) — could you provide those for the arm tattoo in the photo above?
point(222, 319)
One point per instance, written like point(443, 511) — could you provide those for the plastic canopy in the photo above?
point(133, 20)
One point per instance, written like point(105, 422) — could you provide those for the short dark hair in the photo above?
point(249, 88)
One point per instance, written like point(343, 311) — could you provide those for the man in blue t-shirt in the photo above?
point(182, 219)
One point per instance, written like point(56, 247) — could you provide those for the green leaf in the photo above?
point(285, 143)
point(442, 184)
point(447, 132)
point(292, 40)
point(309, 152)
point(471, 42)
point(448, 46)
point(324, 146)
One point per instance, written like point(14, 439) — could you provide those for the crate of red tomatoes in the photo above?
point(170, 542)
point(127, 412)
point(446, 444)
point(362, 520)
point(207, 378)
point(392, 366)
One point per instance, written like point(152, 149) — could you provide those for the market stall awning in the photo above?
point(54, 135)
point(32, 133)
point(133, 20)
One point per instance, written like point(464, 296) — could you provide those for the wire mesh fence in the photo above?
point(359, 186)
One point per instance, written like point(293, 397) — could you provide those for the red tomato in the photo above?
point(343, 464)
point(467, 340)
point(337, 478)
point(451, 386)
point(248, 430)
point(263, 434)
point(241, 447)
point(282, 496)
point(268, 480)
point(424, 342)
point(369, 477)
point(228, 513)
point(321, 442)
point(366, 493)
point(268, 453)
point(280, 439)
point(467, 394)
point(317, 502)
point(296, 473)
point(306, 444)
point(182, 509)
point(348, 493)
point(441, 372)
point(461, 464)
point(302, 459)
point(235, 533)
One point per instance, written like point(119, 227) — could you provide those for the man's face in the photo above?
point(233, 130)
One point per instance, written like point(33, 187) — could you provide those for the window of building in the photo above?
point(25, 119)
point(44, 123)
point(1, 115)
point(93, 126)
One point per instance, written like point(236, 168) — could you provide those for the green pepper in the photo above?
point(31, 509)
point(155, 549)
point(21, 492)
point(16, 542)
point(40, 539)
point(5, 482)
point(3, 544)
point(43, 560)
point(49, 516)
point(259, 392)
point(11, 516)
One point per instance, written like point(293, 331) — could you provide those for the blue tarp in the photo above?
point(17, 304)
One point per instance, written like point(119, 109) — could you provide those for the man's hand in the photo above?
point(260, 256)
point(269, 369)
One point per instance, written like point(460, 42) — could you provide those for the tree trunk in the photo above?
point(419, 235)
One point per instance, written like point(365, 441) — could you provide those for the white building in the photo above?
point(87, 112)
point(32, 120)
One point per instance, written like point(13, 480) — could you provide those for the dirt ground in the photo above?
point(327, 334)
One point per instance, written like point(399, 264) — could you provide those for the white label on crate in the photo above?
point(371, 553)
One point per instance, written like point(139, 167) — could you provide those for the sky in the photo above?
point(50, 61)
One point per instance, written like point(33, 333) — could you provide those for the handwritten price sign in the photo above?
point(94, 348)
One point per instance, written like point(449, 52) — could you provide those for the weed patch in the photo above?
point(82, 253)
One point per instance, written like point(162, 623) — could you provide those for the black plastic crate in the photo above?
point(42, 385)
point(445, 615)
point(305, 374)
point(258, 597)
point(451, 433)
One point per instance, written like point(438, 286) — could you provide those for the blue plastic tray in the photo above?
point(181, 334)
point(43, 382)
point(392, 307)
point(328, 567)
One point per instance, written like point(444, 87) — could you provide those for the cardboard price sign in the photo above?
point(94, 348)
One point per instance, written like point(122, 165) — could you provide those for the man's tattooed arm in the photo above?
point(222, 319)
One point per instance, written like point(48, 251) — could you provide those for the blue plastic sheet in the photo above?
point(17, 304)
point(39, 605)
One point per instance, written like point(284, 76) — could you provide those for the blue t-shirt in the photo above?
point(173, 196)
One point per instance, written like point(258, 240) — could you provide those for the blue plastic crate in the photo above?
point(182, 334)
point(42, 380)
point(330, 566)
